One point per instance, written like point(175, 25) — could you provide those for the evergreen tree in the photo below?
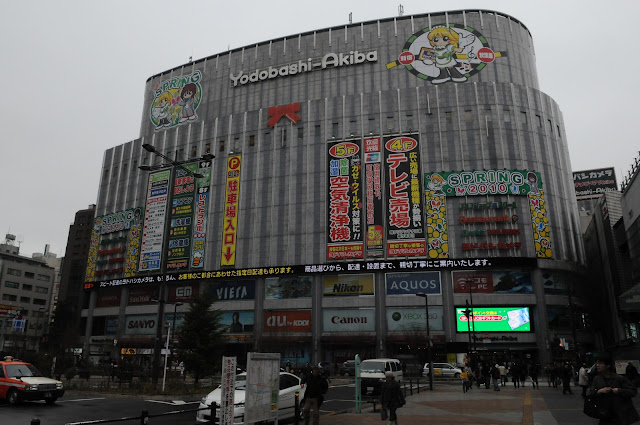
point(200, 340)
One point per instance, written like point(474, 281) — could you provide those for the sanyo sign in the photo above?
point(330, 60)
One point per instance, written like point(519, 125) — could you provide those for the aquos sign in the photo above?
point(330, 60)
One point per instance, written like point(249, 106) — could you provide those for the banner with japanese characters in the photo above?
point(374, 205)
point(344, 240)
point(231, 205)
point(180, 227)
point(594, 182)
point(155, 213)
point(201, 209)
point(405, 230)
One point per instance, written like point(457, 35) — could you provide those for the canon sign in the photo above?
point(330, 60)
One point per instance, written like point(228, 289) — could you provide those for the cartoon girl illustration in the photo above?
point(436, 184)
point(187, 99)
point(445, 43)
point(161, 112)
point(533, 183)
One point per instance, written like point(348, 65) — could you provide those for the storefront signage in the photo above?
point(181, 217)
point(176, 100)
point(489, 282)
point(231, 211)
point(348, 320)
point(483, 182)
point(201, 210)
point(155, 214)
point(289, 111)
point(140, 324)
point(323, 268)
point(348, 285)
point(183, 293)
point(374, 203)
point(345, 196)
point(234, 322)
point(413, 320)
point(487, 205)
point(405, 230)
point(490, 232)
point(233, 290)
point(108, 298)
point(330, 60)
point(286, 321)
point(500, 246)
point(594, 182)
point(276, 288)
point(9, 310)
point(412, 283)
point(143, 295)
point(495, 319)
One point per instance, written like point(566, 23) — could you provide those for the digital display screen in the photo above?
point(495, 319)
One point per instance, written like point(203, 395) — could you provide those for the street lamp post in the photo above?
point(470, 305)
point(426, 308)
point(171, 164)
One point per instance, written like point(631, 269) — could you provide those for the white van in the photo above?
point(372, 373)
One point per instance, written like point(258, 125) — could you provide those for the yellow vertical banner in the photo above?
point(540, 224)
point(231, 202)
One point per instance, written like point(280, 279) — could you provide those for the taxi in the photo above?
point(23, 381)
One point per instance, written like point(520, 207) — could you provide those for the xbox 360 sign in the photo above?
point(330, 60)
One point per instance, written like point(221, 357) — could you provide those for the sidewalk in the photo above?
point(448, 405)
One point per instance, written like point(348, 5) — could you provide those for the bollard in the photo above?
point(35, 421)
point(297, 408)
point(144, 418)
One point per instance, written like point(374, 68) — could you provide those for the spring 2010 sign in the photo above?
point(495, 319)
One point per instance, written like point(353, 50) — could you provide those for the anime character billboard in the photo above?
point(176, 100)
point(443, 54)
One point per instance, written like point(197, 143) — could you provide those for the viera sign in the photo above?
point(330, 60)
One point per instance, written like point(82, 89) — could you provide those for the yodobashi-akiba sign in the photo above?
point(330, 60)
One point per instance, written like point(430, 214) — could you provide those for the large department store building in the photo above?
point(355, 167)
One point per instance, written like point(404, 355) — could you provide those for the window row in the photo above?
point(26, 287)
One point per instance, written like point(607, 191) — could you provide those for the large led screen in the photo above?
point(495, 319)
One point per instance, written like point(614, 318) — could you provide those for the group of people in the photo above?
point(499, 374)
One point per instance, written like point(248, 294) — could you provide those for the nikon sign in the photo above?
point(330, 60)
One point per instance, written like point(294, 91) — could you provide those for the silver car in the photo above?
point(442, 369)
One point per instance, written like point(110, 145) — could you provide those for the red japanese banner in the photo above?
point(405, 229)
point(345, 201)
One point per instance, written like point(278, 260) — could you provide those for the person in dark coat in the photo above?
point(317, 387)
point(631, 373)
point(566, 376)
point(615, 391)
point(554, 375)
point(391, 397)
point(534, 368)
point(515, 374)
point(486, 375)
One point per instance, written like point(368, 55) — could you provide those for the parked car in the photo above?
point(289, 385)
point(348, 368)
point(442, 369)
point(23, 381)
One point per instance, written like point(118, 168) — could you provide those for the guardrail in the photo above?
point(143, 418)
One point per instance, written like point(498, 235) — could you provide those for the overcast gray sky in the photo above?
point(72, 79)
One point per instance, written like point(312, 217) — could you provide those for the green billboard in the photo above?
point(495, 319)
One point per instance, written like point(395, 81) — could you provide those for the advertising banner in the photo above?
point(111, 325)
point(348, 285)
point(412, 283)
point(277, 288)
point(228, 389)
point(201, 209)
point(344, 240)
point(176, 100)
point(183, 293)
point(412, 319)
point(483, 182)
point(9, 310)
point(348, 320)
point(231, 210)
point(492, 282)
point(109, 297)
point(180, 228)
point(233, 290)
point(405, 230)
point(155, 214)
point(140, 324)
point(286, 321)
point(495, 319)
point(142, 295)
point(594, 182)
point(374, 235)
point(235, 322)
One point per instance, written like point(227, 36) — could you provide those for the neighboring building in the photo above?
point(75, 259)
point(52, 260)
point(356, 167)
point(25, 287)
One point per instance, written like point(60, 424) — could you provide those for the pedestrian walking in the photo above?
point(631, 373)
point(554, 375)
point(495, 377)
point(503, 375)
point(391, 397)
point(317, 387)
point(566, 379)
point(583, 379)
point(614, 392)
point(533, 373)
point(515, 374)
point(464, 377)
point(486, 375)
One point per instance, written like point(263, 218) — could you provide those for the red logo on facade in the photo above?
point(289, 111)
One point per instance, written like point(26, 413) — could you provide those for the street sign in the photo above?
point(128, 351)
